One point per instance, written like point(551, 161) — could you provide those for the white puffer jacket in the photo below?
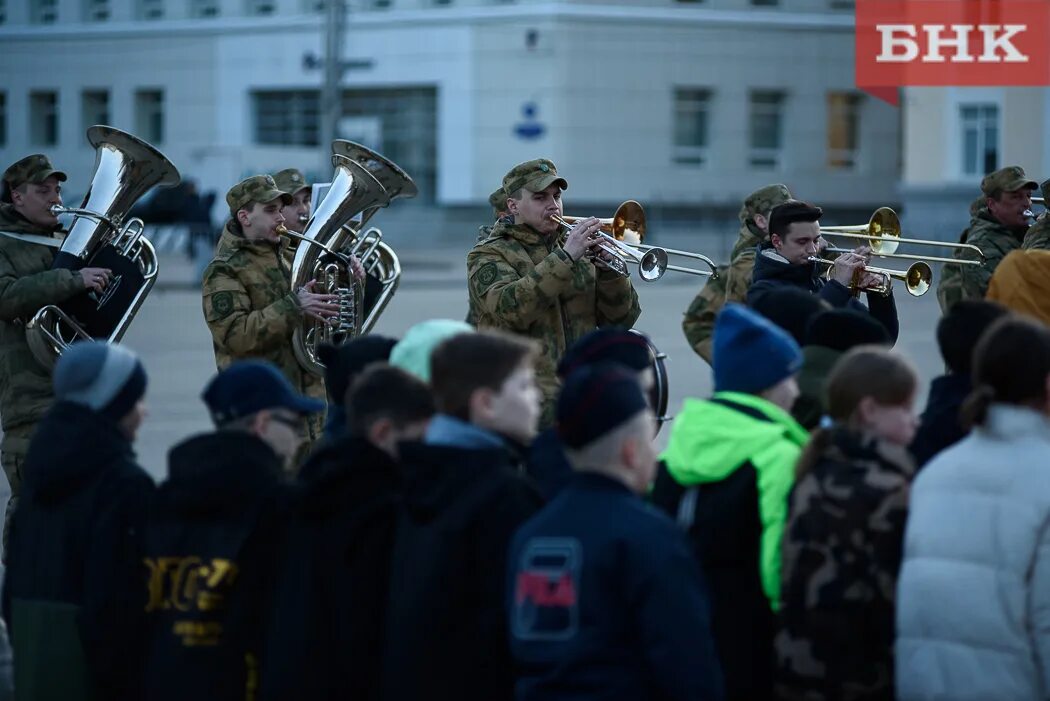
point(973, 597)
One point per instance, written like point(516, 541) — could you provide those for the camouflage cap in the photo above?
point(258, 188)
point(1007, 179)
point(534, 176)
point(290, 180)
point(498, 200)
point(31, 169)
point(764, 199)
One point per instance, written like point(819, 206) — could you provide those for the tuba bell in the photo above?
point(363, 183)
point(126, 167)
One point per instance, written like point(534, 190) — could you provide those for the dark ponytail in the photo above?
point(1010, 366)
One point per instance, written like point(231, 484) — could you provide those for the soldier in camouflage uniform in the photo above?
point(528, 279)
point(1038, 236)
point(998, 228)
point(733, 279)
point(27, 283)
point(498, 200)
point(248, 304)
point(297, 213)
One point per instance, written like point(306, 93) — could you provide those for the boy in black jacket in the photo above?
point(445, 633)
point(71, 598)
point(606, 601)
point(214, 536)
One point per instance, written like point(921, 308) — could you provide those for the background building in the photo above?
point(685, 106)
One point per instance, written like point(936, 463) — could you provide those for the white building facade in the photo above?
point(686, 106)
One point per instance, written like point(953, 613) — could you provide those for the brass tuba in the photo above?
point(125, 169)
point(363, 183)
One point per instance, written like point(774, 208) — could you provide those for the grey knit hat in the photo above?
point(103, 377)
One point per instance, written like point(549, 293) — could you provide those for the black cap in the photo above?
point(611, 345)
point(249, 386)
point(345, 362)
point(842, 329)
point(595, 400)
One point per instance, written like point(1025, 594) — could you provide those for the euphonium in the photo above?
point(125, 169)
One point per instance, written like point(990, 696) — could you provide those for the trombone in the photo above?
point(622, 236)
point(917, 279)
point(883, 234)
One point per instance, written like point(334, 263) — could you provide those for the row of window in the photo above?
point(43, 114)
point(47, 11)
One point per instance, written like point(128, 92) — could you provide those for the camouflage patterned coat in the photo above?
point(523, 282)
point(959, 282)
point(1038, 236)
point(730, 286)
point(27, 283)
point(842, 552)
point(252, 312)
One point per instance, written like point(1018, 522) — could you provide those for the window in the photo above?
point(314, 6)
point(96, 10)
point(441, 3)
point(43, 11)
point(980, 138)
point(94, 107)
point(766, 128)
point(204, 8)
point(43, 118)
point(381, 4)
point(843, 5)
point(843, 121)
point(149, 115)
point(692, 116)
point(765, 3)
point(289, 117)
point(261, 7)
point(3, 11)
point(3, 119)
point(151, 9)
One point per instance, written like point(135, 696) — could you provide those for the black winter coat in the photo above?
point(212, 547)
point(73, 561)
point(548, 465)
point(445, 635)
point(940, 427)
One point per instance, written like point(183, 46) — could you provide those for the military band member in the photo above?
point(528, 279)
point(1038, 236)
point(248, 304)
point(498, 201)
point(298, 211)
point(996, 229)
point(30, 188)
point(733, 280)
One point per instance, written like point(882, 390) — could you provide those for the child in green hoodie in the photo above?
point(734, 456)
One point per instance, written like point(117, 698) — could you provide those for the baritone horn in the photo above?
point(882, 234)
point(622, 237)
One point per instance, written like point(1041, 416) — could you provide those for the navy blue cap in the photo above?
point(596, 399)
point(751, 353)
point(249, 386)
point(611, 345)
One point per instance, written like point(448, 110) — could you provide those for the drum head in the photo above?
point(659, 394)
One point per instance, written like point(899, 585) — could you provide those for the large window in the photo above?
point(3, 11)
point(94, 107)
point(202, 9)
point(289, 117)
point(43, 118)
point(692, 118)
point(261, 7)
point(766, 128)
point(843, 127)
point(980, 138)
point(43, 11)
point(96, 10)
point(150, 9)
point(149, 115)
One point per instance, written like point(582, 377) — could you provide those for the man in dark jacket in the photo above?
point(605, 600)
point(72, 598)
point(326, 633)
point(794, 235)
point(445, 633)
point(342, 364)
point(957, 334)
point(214, 536)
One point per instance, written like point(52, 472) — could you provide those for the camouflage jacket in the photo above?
point(842, 550)
point(730, 286)
point(472, 315)
point(251, 310)
point(1038, 236)
point(959, 282)
point(523, 282)
point(27, 283)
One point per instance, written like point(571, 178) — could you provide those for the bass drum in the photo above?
point(659, 394)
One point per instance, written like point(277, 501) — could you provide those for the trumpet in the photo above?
point(883, 234)
point(917, 279)
point(622, 235)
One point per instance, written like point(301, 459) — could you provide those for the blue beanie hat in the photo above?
point(106, 378)
point(595, 400)
point(751, 354)
point(412, 352)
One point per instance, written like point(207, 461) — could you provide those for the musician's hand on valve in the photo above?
point(582, 237)
point(356, 269)
point(318, 306)
point(95, 278)
point(869, 281)
point(846, 266)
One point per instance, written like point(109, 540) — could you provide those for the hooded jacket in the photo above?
point(1021, 283)
point(735, 456)
point(211, 549)
point(72, 597)
point(772, 271)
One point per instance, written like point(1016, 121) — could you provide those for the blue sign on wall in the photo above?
point(530, 128)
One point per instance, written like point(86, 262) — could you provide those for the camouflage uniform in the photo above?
point(733, 279)
point(498, 200)
point(959, 282)
point(524, 282)
point(1038, 236)
point(249, 305)
point(842, 552)
point(27, 283)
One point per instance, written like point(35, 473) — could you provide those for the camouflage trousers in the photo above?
point(13, 451)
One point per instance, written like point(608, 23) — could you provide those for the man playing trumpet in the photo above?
point(528, 279)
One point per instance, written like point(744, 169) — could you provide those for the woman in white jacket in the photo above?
point(973, 597)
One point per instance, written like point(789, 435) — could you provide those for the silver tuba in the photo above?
point(363, 183)
point(125, 169)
